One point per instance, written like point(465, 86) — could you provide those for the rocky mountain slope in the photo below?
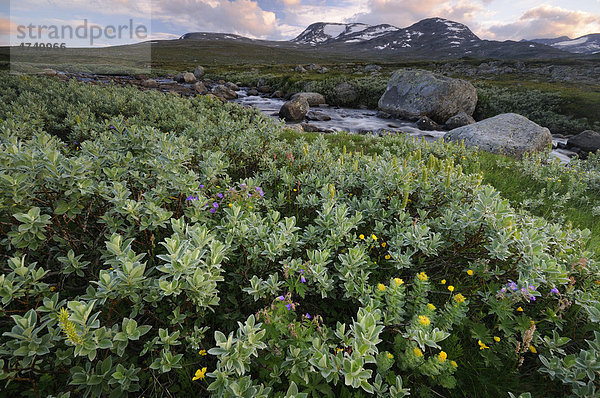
point(588, 44)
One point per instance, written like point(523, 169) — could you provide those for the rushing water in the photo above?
point(361, 121)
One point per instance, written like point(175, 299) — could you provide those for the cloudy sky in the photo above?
point(284, 19)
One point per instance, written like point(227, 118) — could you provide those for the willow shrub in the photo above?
point(155, 245)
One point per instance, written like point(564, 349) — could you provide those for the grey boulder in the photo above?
point(413, 93)
point(508, 134)
point(587, 141)
point(294, 110)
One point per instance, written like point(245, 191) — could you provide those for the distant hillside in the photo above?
point(588, 44)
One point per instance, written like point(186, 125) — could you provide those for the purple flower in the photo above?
point(113, 127)
point(554, 290)
point(531, 287)
point(201, 186)
point(243, 186)
point(503, 290)
point(213, 210)
point(289, 307)
point(249, 195)
point(215, 205)
point(302, 279)
point(532, 298)
point(308, 315)
point(257, 189)
point(512, 285)
point(302, 271)
point(220, 195)
point(280, 298)
point(189, 198)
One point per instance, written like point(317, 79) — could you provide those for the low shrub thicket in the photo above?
point(158, 246)
point(544, 108)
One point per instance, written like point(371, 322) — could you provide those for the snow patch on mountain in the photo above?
point(574, 42)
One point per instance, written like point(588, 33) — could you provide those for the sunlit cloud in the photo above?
point(547, 21)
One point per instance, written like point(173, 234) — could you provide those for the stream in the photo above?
point(362, 121)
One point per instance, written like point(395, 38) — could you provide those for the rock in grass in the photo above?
point(508, 134)
point(412, 93)
point(294, 110)
point(199, 72)
point(588, 141)
point(459, 120)
point(314, 99)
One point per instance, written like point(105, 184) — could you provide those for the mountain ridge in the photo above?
point(429, 38)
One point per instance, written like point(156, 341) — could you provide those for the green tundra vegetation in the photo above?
point(154, 245)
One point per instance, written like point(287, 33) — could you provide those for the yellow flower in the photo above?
point(387, 256)
point(470, 272)
point(453, 363)
point(68, 327)
point(374, 237)
point(496, 339)
point(459, 298)
point(52, 288)
point(443, 281)
point(442, 356)
point(398, 281)
point(423, 320)
point(390, 356)
point(482, 346)
point(431, 306)
point(202, 352)
point(381, 287)
point(422, 276)
point(383, 244)
point(361, 237)
point(200, 374)
point(451, 288)
point(532, 349)
point(520, 309)
point(418, 352)
point(230, 205)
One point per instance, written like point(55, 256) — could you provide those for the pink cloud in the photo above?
point(244, 17)
point(546, 22)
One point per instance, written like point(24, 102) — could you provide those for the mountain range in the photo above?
point(429, 38)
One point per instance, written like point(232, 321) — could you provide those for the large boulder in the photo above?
point(294, 110)
point(508, 133)
point(588, 141)
point(414, 93)
point(314, 99)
